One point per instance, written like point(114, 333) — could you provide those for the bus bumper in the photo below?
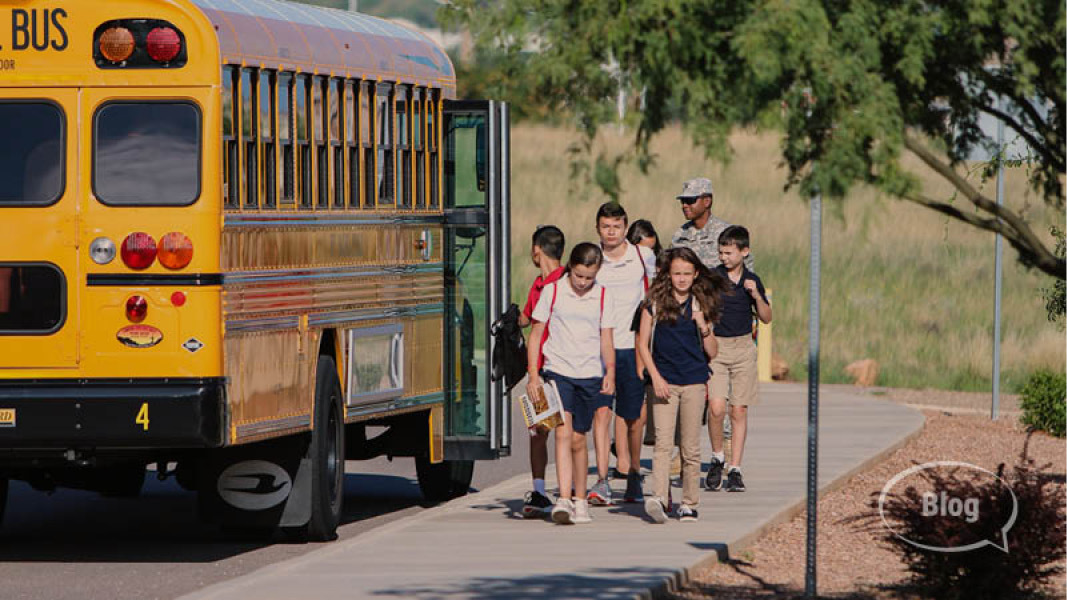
point(112, 414)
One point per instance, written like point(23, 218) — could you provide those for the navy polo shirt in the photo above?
point(678, 350)
point(737, 304)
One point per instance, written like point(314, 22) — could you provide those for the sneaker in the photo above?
point(655, 510)
point(581, 512)
point(535, 505)
point(633, 488)
point(563, 512)
point(713, 482)
point(685, 513)
point(734, 482)
point(616, 474)
point(600, 495)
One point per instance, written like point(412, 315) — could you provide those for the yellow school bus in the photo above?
point(244, 240)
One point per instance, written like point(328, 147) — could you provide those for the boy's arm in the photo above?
point(607, 356)
point(763, 310)
point(524, 321)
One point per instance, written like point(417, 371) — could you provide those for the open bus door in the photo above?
point(476, 186)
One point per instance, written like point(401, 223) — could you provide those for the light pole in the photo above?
point(813, 382)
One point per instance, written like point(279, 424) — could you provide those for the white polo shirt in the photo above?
point(574, 324)
point(625, 282)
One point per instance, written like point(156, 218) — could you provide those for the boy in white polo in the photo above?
point(572, 328)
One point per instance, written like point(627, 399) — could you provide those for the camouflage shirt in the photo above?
point(705, 242)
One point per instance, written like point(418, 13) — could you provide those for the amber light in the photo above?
point(175, 250)
point(138, 250)
point(136, 309)
point(116, 44)
point(163, 44)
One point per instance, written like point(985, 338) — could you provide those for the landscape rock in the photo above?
point(863, 372)
point(779, 368)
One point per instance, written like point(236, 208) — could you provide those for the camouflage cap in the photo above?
point(695, 188)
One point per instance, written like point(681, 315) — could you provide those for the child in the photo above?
point(675, 342)
point(546, 253)
point(576, 315)
point(735, 365)
point(642, 233)
point(626, 273)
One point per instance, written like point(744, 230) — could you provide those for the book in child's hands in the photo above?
point(545, 410)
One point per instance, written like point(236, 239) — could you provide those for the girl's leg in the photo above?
point(602, 440)
point(635, 431)
point(739, 421)
point(564, 437)
point(666, 416)
point(691, 412)
point(622, 448)
point(579, 459)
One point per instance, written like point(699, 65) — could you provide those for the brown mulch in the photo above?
point(853, 562)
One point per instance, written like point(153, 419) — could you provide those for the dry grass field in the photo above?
point(901, 285)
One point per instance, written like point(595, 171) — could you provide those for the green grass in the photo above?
point(900, 284)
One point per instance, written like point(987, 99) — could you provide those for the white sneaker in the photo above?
point(581, 512)
point(563, 512)
point(655, 510)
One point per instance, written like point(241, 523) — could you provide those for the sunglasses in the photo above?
point(689, 201)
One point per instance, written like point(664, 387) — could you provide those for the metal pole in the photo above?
point(353, 5)
point(813, 390)
point(999, 271)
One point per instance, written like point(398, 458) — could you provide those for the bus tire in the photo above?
point(445, 480)
point(327, 454)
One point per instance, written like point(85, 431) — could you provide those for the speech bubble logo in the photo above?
point(956, 507)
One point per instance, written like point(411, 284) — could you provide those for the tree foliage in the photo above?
point(854, 84)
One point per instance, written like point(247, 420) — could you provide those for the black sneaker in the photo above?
point(713, 482)
point(686, 513)
point(535, 505)
point(633, 488)
point(734, 482)
point(615, 473)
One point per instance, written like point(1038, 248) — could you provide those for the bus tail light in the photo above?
point(116, 44)
point(136, 309)
point(175, 250)
point(163, 44)
point(138, 250)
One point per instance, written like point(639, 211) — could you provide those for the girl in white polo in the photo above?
point(572, 327)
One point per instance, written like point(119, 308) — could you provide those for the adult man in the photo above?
point(700, 233)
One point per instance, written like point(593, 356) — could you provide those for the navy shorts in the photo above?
point(629, 388)
point(581, 398)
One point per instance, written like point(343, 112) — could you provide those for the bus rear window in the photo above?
point(32, 299)
point(147, 153)
point(31, 153)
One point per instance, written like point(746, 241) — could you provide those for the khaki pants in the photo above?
point(684, 407)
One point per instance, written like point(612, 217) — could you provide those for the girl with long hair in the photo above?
point(675, 342)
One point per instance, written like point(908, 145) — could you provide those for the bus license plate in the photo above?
point(7, 417)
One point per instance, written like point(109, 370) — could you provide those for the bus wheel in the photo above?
point(327, 454)
point(444, 481)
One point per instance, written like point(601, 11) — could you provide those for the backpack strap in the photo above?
point(544, 336)
point(603, 290)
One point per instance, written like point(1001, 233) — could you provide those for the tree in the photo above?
point(853, 84)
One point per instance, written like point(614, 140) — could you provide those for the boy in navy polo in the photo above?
point(546, 252)
point(735, 364)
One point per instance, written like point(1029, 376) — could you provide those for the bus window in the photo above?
point(32, 169)
point(384, 165)
point(432, 136)
point(336, 146)
point(231, 170)
point(285, 136)
point(322, 158)
point(268, 182)
point(300, 108)
point(417, 124)
point(403, 144)
point(147, 153)
point(366, 128)
point(249, 128)
point(32, 299)
point(352, 141)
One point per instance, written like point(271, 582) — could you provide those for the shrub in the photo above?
point(1043, 402)
point(1034, 542)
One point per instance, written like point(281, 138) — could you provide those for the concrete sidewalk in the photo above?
point(478, 547)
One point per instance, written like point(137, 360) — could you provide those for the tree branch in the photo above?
point(1011, 225)
point(1041, 146)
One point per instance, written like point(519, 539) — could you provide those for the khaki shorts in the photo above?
point(733, 372)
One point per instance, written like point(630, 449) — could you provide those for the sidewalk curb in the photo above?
point(683, 576)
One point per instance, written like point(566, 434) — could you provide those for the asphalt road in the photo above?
point(74, 545)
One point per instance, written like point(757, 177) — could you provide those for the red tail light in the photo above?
point(163, 44)
point(138, 250)
point(136, 309)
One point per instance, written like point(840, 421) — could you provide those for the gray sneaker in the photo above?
point(656, 510)
point(600, 494)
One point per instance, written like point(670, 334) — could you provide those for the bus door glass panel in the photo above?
point(477, 416)
point(38, 201)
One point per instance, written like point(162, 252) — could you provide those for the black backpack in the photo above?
point(509, 352)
